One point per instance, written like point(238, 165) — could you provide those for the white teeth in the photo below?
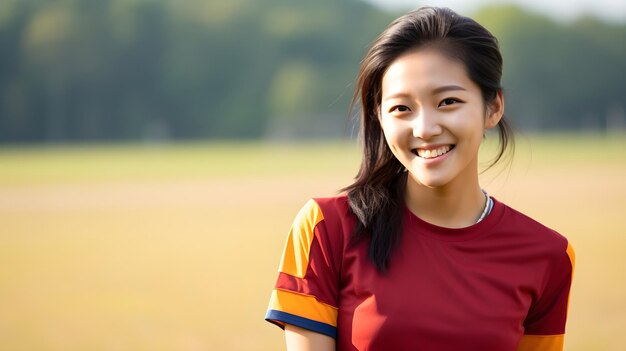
point(428, 153)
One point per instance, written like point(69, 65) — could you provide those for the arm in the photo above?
point(306, 292)
point(299, 339)
point(545, 324)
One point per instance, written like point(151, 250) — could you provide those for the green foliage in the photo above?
point(74, 70)
point(559, 75)
point(160, 69)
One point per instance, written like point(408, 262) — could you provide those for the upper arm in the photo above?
point(306, 291)
point(301, 339)
point(545, 324)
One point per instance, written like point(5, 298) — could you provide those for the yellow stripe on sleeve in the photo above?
point(304, 306)
point(296, 254)
point(541, 343)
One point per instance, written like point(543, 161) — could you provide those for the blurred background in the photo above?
point(153, 154)
point(145, 70)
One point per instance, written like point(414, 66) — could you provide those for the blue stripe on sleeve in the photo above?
point(274, 316)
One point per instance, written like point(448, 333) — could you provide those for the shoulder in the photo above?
point(536, 236)
point(328, 216)
point(318, 209)
point(333, 206)
point(328, 209)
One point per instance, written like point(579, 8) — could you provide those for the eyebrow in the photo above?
point(435, 91)
point(396, 95)
point(447, 88)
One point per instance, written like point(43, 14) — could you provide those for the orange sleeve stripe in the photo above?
point(571, 255)
point(296, 254)
point(304, 306)
point(572, 259)
point(541, 343)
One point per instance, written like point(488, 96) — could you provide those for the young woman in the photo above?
point(415, 255)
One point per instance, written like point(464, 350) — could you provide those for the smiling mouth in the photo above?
point(432, 153)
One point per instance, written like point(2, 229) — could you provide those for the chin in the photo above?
point(428, 180)
point(433, 183)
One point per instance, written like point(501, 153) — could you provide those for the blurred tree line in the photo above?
point(73, 70)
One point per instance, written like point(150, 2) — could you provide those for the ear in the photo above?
point(495, 110)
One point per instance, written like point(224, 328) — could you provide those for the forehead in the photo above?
point(424, 70)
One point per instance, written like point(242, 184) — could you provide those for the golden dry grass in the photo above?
point(176, 247)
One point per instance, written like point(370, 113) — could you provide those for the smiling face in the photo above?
point(433, 117)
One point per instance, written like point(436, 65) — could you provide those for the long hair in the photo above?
point(377, 194)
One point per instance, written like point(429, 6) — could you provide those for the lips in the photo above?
point(432, 152)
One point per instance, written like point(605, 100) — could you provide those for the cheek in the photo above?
point(392, 127)
point(471, 124)
point(392, 133)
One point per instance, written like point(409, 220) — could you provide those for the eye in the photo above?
point(449, 101)
point(399, 108)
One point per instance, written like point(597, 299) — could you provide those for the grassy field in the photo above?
point(175, 247)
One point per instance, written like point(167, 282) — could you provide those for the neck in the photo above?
point(452, 206)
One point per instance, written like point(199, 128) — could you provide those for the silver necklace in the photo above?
point(488, 206)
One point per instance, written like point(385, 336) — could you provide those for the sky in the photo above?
point(564, 10)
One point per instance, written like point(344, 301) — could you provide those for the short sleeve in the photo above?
point(306, 291)
point(545, 324)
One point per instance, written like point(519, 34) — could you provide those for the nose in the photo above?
point(426, 125)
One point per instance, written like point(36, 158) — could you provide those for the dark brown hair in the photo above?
point(377, 194)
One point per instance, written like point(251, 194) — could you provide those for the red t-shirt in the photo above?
point(501, 284)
